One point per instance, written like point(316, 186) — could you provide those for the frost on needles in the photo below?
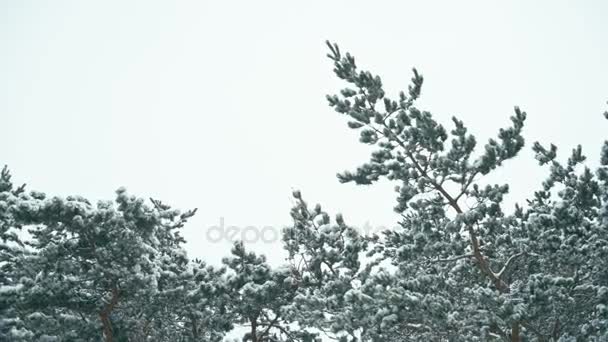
point(479, 274)
point(459, 267)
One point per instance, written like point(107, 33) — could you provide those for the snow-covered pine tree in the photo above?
point(11, 256)
point(204, 303)
point(261, 298)
point(116, 271)
point(111, 271)
point(473, 272)
point(92, 266)
point(189, 304)
point(325, 262)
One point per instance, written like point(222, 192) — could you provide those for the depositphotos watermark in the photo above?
point(266, 234)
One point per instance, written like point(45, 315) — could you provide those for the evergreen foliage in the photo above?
point(460, 267)
point(473, 272)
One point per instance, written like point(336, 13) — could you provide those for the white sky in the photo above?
point(220, 105)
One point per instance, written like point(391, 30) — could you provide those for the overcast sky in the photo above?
point(221, 105)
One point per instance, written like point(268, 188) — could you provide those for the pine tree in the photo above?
point(190, 305)
point(458, 272)
point(112, 271)
point(12, 253)
point(261, 298)
point(460, 266)
point(326, 265)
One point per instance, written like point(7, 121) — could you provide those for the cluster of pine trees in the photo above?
point(71, 270)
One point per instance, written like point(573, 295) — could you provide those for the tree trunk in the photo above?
point(194, 328)
point(254, 327)
point(515, 333)
point(104, 315)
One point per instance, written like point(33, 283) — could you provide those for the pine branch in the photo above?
point(508, 263)
point(456, 258)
